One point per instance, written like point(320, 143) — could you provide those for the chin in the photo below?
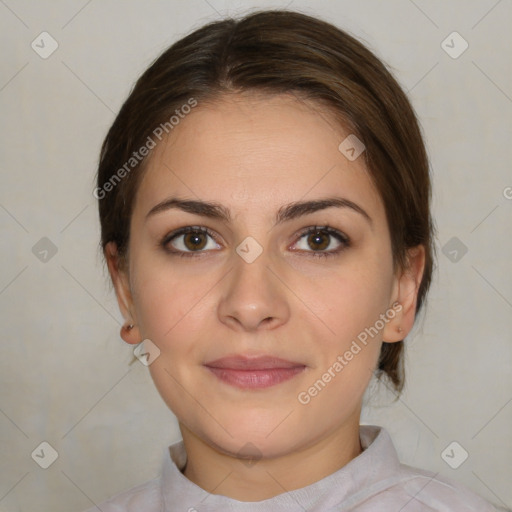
point(253, 435)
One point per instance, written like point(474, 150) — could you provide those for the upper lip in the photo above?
point(238, 362)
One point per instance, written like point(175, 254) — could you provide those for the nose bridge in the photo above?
point(253, 295)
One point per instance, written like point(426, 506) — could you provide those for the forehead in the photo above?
point(269, 150)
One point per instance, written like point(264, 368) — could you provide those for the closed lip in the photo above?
point(254, 372)
point(239, 362)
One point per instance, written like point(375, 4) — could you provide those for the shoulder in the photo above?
point(396, 486)
point(421, 491)
point(146, 496)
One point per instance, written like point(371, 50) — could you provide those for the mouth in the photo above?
point(254, 372)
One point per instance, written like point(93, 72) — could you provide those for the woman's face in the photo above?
point(260, 325)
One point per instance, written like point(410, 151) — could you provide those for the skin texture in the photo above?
point(253, 155)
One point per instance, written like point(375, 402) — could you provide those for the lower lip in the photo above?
point(255, 379)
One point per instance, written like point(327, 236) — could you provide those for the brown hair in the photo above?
point(275, 52)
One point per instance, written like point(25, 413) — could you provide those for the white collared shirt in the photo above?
point(374, 481)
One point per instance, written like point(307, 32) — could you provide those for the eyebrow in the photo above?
point(287, 212)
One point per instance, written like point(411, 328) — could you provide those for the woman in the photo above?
point(264, 198)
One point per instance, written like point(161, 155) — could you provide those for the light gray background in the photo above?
point(65, 377)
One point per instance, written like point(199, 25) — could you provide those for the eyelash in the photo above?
point(342, 238)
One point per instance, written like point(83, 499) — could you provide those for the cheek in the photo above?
point(168, 300)
point(349, 335)
point(347, 342)
point(171, 312)
point(352, 299)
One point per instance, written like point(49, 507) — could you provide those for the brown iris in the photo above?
point(314, 239)
point(197, 241)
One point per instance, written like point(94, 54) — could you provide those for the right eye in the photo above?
point(184, 242)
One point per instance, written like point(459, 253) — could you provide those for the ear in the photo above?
point(405, 295)
point(121, 282)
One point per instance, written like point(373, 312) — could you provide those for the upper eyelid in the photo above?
point(185, 229)
point(326, 227)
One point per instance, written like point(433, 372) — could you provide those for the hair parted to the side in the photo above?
point(279, 52)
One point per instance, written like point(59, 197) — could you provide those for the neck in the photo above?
point(243, 480)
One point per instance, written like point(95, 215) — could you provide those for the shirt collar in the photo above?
point(364, 472)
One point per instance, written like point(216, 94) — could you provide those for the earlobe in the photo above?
point(394, 330)
point(406, 295)
point(129, 332)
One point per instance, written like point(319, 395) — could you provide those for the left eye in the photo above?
point(320, 240)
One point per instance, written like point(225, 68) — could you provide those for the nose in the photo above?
point(253, 296)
